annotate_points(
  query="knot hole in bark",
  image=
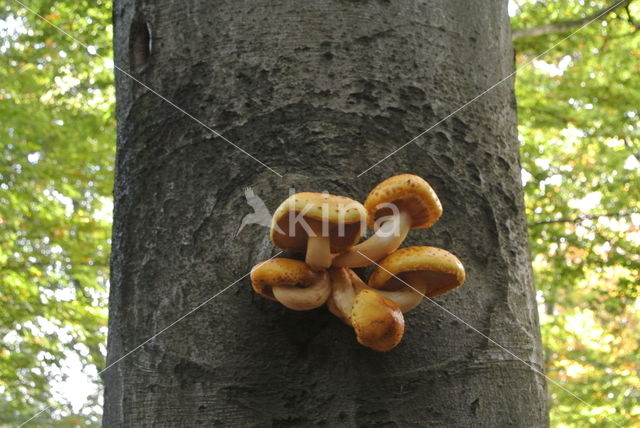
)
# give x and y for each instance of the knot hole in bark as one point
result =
(140, 43)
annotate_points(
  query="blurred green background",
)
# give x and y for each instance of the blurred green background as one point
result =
(579, 129)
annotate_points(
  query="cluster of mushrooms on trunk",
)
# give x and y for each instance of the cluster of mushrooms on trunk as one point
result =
(327, 228)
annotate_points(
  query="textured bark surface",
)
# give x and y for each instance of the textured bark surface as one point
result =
(319, 91)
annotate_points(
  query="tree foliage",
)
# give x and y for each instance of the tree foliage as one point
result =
(57, 143)
(579, 128)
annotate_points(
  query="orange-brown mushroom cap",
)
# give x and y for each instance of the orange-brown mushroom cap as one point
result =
(279, 272)
(318, 207)
(395, 206)
(440, 270)
(378, 321)
(409, 193)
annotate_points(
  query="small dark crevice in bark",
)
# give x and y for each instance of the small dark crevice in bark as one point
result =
(475, 404)
(140, 44)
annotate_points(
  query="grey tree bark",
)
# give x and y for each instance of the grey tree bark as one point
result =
(319, 91)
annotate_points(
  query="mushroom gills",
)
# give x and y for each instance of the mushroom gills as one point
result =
(384, 241)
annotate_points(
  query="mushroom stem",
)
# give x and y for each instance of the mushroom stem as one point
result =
(386, 240)
(304, 299)
(407, 297)
(377, 321)
(357, 283)
(318, 252)
(342, 294)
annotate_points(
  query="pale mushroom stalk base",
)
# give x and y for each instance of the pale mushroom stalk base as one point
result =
(386, 240)
(318, 252)
(304, 299)
(346, 284)
(342, 295)
(407, 297)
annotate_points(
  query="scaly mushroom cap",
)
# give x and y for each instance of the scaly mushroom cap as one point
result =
(409, 193)
(438, 268)
(316, 208)
(378, 321)
(279, 272)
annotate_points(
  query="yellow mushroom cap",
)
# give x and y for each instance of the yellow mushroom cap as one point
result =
(378, 321)
(411, 194)
(441, 270)
(318, 207)
(279, 272)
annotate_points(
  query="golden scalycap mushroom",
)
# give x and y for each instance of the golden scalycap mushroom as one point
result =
(415, 206)
(412, 194)
(434, 269)
(334, 224)
(291, 282)
(378, 321)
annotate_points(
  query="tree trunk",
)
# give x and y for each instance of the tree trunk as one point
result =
(319, 91)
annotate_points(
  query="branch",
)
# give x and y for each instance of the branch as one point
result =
(635, 152)
(631, 18)
(559, 27)
(584, 217)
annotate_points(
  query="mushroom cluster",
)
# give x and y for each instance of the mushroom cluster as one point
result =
(327, 228)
